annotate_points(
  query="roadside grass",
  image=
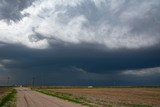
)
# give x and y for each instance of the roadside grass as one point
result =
(68, 97)
(9, 99)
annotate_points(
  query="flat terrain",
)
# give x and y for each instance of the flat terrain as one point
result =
(3, 91)
(29, 98)
(115, 97)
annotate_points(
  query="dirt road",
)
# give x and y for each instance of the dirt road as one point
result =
(29, 98)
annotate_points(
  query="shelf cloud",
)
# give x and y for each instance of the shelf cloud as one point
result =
(94, 39)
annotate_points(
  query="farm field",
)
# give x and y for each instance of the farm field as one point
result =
(109, 97)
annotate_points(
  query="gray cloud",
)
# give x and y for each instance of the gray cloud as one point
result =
(143, 72)
(115, 24)
(10, 10)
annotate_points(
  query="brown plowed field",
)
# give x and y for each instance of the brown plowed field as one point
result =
(118, 97)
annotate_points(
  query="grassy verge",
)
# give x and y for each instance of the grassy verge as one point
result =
(9, 99)
(66, 96)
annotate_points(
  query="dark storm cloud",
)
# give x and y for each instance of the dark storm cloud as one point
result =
(90, 57)
(10, 10)
(83, 62)
(79, 44)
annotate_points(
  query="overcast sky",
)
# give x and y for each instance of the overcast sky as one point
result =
(80, 42)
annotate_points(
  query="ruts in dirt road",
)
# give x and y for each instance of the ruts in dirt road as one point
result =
(29, 98)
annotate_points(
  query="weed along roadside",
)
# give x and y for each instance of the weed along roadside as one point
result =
(9, 100)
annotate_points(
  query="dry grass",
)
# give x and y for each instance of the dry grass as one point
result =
(117, 97)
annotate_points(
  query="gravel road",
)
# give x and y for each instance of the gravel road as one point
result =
(29, 98)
